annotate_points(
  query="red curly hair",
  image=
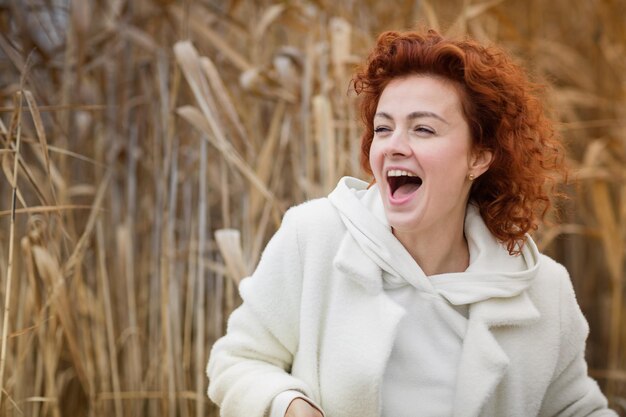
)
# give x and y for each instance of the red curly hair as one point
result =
(504, 114)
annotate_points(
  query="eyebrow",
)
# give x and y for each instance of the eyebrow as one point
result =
(414, 115)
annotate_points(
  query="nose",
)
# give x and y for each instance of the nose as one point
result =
(397, 146)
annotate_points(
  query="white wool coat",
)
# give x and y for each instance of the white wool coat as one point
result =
(315, 319)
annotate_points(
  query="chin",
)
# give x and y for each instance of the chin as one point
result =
(404, 223)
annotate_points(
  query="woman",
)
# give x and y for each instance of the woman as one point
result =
(421, 294)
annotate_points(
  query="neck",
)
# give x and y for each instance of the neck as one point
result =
(437, 253)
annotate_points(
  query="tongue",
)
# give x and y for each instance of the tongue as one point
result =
(406, 189)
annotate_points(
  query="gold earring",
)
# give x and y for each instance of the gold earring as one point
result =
(471, 177)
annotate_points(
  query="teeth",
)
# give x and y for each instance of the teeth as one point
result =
(399, 173)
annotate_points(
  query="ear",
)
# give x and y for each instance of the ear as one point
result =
(479, 162)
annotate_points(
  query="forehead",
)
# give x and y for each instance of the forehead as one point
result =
(420, 93)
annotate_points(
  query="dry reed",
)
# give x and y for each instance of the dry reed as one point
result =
(151, 147)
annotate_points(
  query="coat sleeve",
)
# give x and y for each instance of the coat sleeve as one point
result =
(251, 364)
(571, 391)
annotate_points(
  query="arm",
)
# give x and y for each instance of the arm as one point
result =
(251, 364)
(572, 392)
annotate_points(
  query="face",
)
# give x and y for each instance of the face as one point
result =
(421, 155)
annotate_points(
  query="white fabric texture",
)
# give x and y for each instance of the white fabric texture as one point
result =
(316, 319)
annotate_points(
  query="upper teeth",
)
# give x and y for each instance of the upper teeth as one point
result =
(399, 173)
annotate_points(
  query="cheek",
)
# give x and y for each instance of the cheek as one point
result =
(452, 155)
(375, 159)
(448, 164)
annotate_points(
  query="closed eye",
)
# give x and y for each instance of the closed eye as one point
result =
(382, 129)
(425, 130)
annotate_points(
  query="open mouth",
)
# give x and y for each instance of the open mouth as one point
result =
(402, 183)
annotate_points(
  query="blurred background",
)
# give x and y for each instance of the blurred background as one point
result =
(150, 147)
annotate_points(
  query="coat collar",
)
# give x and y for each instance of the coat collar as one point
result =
(483, 362)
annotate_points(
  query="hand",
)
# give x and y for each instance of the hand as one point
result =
(301, 408)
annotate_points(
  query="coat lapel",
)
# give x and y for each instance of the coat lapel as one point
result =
(354, 263)
(483, 361)
(362, 334)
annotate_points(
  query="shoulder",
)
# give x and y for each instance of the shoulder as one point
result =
(553, 286)
(556, 275)
(313, 228)
(304, 232)
(313, 217)
(553, 266)
(552, 277)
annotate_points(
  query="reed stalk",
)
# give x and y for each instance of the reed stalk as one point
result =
(9, 276)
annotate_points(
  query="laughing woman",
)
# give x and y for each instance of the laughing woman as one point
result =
(420, 294)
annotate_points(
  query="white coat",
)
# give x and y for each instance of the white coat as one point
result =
(315, 319)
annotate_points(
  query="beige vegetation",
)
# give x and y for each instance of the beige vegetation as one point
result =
(159, 142)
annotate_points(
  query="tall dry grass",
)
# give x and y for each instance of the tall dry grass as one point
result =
(150, 147)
